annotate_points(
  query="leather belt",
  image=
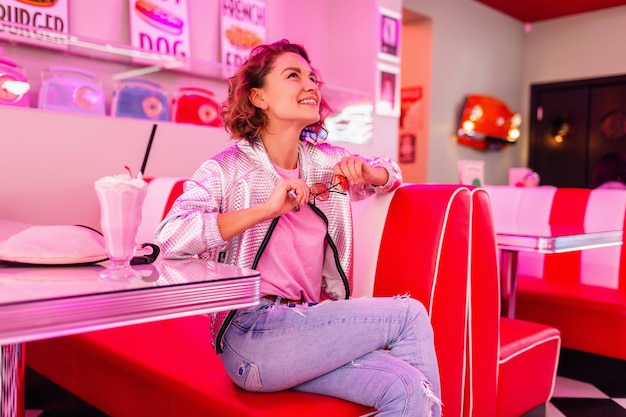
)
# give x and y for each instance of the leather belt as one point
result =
(283, 300)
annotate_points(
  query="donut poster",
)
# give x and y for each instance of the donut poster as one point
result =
(39, 22)
(243, 26)
(160, 27)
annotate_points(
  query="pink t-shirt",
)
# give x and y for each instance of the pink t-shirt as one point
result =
(291, 265)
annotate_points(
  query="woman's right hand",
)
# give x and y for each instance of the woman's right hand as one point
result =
(287, 195)
(279, 202)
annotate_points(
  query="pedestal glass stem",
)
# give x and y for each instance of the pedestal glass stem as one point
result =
(12, 380)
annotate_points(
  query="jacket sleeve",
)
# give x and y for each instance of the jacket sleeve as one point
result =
(359, 192)
(190, 228)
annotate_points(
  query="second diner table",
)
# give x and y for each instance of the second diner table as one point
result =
(546, 239)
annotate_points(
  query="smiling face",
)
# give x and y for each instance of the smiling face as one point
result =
(290, 93)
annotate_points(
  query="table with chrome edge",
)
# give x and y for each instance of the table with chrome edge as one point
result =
(512, 239)
(44, 302)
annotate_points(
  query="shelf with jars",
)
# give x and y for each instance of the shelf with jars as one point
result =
(65, 72)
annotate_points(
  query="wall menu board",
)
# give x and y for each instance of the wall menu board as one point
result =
(160, 27)
(243, 26)
(38, 22)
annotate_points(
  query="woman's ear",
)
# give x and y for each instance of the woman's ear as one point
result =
(257, 100)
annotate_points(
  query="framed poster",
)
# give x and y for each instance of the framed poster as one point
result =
(42, 23)
(243, 26)
(160, 30)
(389, 35)
(407, 144)
(388, 90)
(412, 107)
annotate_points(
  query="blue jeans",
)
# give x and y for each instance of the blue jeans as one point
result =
(378, 352)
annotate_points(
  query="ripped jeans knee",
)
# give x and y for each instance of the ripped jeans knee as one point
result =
(410, 394)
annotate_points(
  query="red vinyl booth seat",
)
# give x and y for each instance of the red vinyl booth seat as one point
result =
(168, 368)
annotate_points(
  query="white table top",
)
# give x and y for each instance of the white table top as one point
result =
(42, 302)
(554, 239)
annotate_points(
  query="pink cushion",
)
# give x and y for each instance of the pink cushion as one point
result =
(54, 245)
(607, 209)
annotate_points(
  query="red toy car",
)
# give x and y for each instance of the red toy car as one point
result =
(488, 124)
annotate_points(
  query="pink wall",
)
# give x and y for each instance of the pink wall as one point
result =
(49, 160)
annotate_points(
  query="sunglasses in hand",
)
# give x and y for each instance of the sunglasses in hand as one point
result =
(321, 192)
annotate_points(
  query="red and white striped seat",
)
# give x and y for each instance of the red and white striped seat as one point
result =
(581, 293)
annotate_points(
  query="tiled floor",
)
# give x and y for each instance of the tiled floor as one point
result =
(574, 398)
(605, 397)
(46, 399)
(589, 386)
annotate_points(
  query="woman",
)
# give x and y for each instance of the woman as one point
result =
(279, 202)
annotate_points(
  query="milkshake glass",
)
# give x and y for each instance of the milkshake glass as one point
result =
(121, 199)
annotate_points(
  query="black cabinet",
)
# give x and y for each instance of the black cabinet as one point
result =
(572, 125)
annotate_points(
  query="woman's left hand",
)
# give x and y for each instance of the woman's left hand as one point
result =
(358, 171)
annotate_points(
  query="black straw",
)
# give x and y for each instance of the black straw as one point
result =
(145, 157)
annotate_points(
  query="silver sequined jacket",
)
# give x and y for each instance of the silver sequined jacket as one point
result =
(242, 176)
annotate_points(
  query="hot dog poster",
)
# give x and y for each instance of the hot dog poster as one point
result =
(39, 22)
(243, 26)
(160, 27)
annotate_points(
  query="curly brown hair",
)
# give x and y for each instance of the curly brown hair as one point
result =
(240, 117)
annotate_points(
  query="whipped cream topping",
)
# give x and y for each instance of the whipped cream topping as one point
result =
(121, 181)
